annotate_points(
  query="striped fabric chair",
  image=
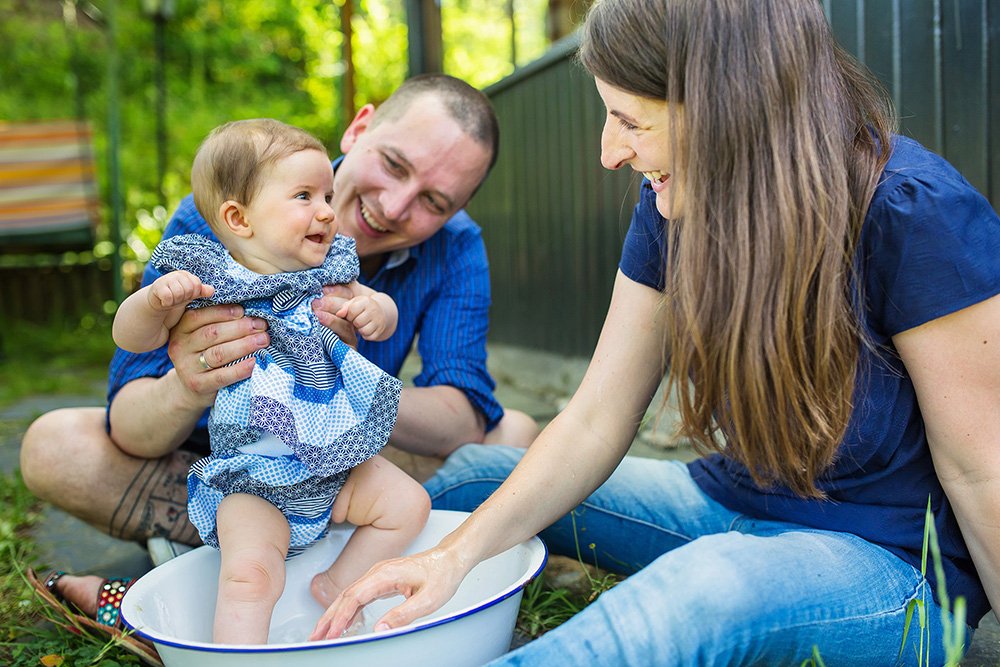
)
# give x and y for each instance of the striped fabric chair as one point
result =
(48, 191)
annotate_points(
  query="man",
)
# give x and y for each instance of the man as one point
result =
(408, 169)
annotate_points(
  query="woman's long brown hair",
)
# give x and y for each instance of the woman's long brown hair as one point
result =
(783, 137)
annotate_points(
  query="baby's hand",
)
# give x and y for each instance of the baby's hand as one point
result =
(177, 289)
(367, 317)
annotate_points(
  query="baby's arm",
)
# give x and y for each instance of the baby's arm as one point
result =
(373, 314)
(387, 522)
(144, 319)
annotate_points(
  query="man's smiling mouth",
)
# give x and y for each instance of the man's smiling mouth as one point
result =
(371, 223)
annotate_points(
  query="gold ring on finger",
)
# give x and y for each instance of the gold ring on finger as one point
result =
(204, 362)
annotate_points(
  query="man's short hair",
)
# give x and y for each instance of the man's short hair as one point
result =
(466, 105)
(234, 160)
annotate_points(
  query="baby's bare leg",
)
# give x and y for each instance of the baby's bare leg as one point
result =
(253, 538)
(389, 508)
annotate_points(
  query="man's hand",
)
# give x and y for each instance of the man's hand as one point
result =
(326, 307)
(205, 340)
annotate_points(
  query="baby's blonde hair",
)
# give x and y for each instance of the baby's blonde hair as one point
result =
(233, 161)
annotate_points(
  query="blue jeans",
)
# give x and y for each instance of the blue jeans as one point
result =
(708, 586)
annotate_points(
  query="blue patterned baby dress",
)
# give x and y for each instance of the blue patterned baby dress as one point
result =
(312, 409)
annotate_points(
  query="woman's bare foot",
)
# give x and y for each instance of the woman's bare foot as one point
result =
(81, 591)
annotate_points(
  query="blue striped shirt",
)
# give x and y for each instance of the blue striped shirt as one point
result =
(442, 290)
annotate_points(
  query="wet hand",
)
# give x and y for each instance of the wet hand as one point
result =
(427, 580)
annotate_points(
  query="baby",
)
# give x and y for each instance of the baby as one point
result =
(296, 444)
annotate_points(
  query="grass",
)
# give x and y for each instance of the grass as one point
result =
(544, 607)
(69, 357)
(32, 634)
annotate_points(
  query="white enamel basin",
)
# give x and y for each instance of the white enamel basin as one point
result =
(174, 604)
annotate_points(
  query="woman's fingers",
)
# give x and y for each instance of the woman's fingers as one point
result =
(416, 606)
(417, 578)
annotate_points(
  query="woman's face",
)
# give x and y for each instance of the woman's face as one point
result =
(637, 133)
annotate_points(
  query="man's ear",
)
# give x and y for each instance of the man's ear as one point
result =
(362, 120)
(234, 219)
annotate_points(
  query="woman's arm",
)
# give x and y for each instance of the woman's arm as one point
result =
(954, 362)
(574, 455)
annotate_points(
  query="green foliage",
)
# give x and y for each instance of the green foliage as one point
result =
(50, 645)
(815, 661)
(477, 38)
(953, 638)
(66, 357)
(25, 642)
(544, 608)
(224, 60)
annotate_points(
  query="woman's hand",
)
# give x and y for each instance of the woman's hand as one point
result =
(326, 307)
(205, 340)
(427, 580)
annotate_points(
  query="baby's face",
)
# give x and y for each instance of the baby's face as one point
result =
(291, 219)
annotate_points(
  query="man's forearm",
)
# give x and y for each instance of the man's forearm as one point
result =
(434, 421)
(151, 417)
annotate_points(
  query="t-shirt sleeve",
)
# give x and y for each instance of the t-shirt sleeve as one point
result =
(128, 366)
(644, 247)
(933, 248)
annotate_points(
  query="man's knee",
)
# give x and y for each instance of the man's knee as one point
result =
(516, 429)
(58, 450)
(46, 444)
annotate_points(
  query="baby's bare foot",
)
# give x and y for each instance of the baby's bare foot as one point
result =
(324, 589)
(81, 591)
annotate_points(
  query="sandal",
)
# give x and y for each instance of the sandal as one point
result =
(108, 621)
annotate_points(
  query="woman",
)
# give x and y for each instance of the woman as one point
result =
(821, 294)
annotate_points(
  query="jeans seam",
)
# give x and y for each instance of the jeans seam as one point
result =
(885, 612)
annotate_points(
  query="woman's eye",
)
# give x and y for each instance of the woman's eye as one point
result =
(627, 125)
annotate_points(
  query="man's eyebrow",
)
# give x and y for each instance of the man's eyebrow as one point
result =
(399, 157)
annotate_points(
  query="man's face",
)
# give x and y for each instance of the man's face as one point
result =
(401, 181)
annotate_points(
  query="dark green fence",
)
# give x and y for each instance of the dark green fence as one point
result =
(554, 219)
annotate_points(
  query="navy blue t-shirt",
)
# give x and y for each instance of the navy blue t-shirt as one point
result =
(930, 246)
